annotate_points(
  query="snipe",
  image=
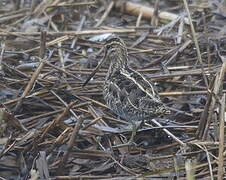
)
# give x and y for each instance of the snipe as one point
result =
(126, 92)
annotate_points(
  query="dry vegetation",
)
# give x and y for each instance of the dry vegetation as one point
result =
(52, 127)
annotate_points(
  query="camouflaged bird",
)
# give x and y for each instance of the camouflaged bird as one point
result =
(126, 92)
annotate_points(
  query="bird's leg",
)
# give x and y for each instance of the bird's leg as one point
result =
(134, 132)
(135, 126)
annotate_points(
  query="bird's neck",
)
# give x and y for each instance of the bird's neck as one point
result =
(118, 60)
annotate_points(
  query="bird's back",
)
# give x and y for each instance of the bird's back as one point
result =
(131, 96)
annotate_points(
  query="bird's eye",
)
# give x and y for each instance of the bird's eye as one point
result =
(108, 46)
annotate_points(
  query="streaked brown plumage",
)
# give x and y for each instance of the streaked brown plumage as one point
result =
(126, 92)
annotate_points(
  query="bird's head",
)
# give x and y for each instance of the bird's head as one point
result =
(114, 43)
(114, 51)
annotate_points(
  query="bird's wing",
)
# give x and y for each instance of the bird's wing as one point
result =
(142, 84)
(133, 88)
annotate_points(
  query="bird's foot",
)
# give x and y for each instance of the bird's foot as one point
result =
(129, 143)
(131, 140)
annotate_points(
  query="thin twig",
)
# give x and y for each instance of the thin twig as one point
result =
(108, 10)
(196, 43)
(71, 144)
(220, 173)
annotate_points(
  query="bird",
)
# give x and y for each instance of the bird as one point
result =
(127, 92)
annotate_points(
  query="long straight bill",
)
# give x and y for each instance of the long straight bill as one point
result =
(96, 69)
